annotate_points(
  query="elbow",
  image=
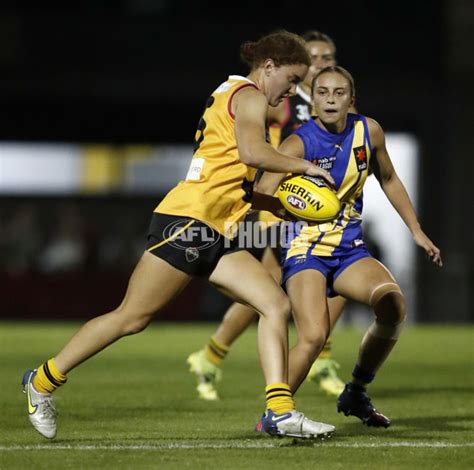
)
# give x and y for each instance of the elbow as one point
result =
(249, 159)
(245, 157)
(387, 179)
(251, 154)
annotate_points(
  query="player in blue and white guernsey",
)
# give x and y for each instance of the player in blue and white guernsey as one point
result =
(331, 258)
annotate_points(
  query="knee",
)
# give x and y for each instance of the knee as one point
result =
(280, 308)
(388, 303)
(132, 324)
(312, 340)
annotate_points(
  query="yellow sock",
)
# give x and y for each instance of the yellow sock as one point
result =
(215, 351)
(48, 378)
(326, 352)
(279, 398)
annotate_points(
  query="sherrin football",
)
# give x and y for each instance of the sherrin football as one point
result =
(309, 198)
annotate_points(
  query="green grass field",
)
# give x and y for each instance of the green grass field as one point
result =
(134, 405)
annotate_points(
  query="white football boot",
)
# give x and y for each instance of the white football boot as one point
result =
(293, 424)
(41, 411)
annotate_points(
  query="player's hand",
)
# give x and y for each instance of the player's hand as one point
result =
(279, 211)
(314, 170)
(283, 214)
(431, 249)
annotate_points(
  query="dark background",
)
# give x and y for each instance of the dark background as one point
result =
(140, 71)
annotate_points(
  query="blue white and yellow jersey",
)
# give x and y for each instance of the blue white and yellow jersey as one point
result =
(346, 157)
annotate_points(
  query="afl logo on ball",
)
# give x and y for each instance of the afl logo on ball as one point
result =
(296, 202)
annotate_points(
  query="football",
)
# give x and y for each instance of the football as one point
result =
(309, 198)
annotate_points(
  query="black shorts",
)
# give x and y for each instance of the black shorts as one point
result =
(271, 235)
(187, 244)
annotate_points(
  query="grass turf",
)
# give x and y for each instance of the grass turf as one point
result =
(134, 405)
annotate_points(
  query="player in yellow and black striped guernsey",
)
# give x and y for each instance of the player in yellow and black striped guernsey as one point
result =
(188, 236)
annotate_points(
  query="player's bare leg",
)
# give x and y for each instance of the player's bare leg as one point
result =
(205, 364)
(238, 317)
(336, 306)
(324, 370)
(260, 291)
(307, 291)
(382, 293)
(142, 301)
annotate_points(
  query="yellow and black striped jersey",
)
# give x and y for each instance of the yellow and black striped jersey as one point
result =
(218, 185)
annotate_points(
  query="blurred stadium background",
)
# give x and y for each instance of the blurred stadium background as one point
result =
(99, 105)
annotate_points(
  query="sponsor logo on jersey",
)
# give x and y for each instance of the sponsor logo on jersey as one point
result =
(360, 156)
(195, 169)
(326, 163)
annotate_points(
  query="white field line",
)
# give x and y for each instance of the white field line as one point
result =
(235, 445)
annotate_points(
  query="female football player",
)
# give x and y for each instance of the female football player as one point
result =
(229, 147)
(283, 119)
(331, 257)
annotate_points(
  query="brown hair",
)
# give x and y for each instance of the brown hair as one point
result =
(283, 47)
(335, 69)
(315, 35)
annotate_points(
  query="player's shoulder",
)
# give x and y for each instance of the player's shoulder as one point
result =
(375, 131)
(237, 90)
(309, 126)
(249, 98)
(372, 124)
(250, 91)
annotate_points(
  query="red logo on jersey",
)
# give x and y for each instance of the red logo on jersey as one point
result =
(360, 157)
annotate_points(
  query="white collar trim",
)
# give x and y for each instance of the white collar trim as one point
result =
(239, 77)
(303, 94)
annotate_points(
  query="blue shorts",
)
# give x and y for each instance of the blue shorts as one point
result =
(329, 266)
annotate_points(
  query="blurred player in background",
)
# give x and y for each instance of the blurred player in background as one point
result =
(331, 257)
(283, 120)
(229, 147)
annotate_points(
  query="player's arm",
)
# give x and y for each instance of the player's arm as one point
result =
(250, 109)
(293, 147)
(395, 191)
(263, 198)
